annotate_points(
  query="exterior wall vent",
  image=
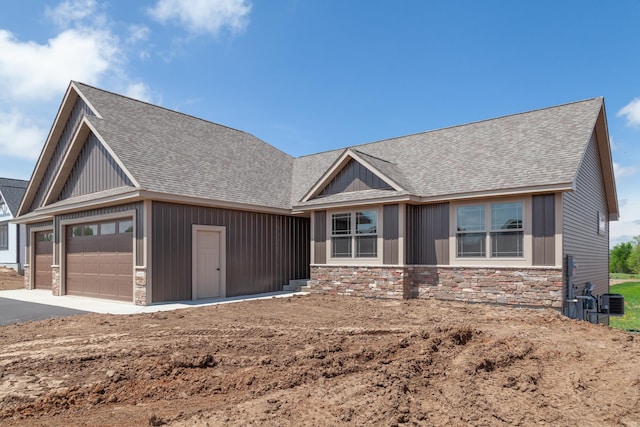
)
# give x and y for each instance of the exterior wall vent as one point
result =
(612, 304)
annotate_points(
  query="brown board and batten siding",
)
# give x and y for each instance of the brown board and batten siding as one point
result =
(581, 236)
(79, 110)
(95, 170)
(544, 229)
(86, 216)
(263, 251)
(353, 177)
(320, 237)
(427, 234)
(390, 218)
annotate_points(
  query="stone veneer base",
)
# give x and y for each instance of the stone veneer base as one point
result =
(529, 286)
(140, 288)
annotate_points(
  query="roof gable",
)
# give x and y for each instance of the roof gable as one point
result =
(66, 125)
(353, 171)
(353, 177)
(11, 193)
(94, 170)
(173, 153)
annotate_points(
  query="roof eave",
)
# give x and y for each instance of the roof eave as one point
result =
(606, 162)
(48, 212)
(203, 201)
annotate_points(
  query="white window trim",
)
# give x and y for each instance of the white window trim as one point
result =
(355, 261)
(7, 235)
(487, 260)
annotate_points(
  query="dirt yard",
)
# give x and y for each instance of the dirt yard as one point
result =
(312, 360)
(9, 279)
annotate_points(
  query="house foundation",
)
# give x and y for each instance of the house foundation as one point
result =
(528, 286)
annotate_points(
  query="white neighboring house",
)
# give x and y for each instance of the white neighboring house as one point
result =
(12, 236)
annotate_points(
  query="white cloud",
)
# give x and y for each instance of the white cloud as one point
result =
(69, 12)
(32, 71)
(139, 91)
(19, 137)
(620, 171)
(204, 16)
(631, 112)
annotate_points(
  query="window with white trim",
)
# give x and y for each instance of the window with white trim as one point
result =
(354, 234)
(4, 236)
(492, 230)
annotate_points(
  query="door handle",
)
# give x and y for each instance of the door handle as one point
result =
(218, 268)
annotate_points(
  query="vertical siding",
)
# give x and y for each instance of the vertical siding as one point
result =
(580, 231)
(95, 170)
(390, 234)
(544, 243)
(354, 177)
(263, 251)
(427, 234)
(138, 207)
(78, 111)
(320, 237)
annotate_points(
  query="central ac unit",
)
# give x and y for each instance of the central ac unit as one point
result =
(612, 304)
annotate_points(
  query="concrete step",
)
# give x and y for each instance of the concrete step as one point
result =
(297, 285)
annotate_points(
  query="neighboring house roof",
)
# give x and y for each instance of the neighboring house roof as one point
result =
(12, 191)
(170, 153)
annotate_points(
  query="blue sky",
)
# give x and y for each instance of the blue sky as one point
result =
(309, 76)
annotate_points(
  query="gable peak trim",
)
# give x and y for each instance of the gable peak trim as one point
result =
(347, 155)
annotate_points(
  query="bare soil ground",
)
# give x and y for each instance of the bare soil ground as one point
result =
(9, 279)
(320, 360)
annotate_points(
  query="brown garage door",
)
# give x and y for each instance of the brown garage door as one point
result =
(43, 259)
(100, 260)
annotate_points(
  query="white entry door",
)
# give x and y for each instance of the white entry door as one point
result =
(208, 268)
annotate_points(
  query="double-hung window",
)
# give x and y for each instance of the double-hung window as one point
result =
(494, 230)
(354, 234)
(4, 236)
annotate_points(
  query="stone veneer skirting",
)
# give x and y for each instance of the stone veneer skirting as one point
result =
(530, 286)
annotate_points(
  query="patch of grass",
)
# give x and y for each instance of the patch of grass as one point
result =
(631, 318)
(624, 276)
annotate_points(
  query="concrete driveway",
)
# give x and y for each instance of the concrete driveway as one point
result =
(22, 305)
(13, 311)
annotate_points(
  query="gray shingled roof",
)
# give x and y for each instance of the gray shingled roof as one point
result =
(538, 148)
(12, 191)
(174, 153)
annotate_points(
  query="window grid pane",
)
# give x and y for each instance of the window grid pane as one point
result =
(341, 224)
(507, 244)
(471, 244)
(341, 247)
(366, 246)
(366, 222)
(470, 218)
(506, 216)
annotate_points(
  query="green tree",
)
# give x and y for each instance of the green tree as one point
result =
(633, 261)
(619, 257)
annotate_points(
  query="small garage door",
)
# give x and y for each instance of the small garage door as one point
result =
(100, 260)
(43, 259)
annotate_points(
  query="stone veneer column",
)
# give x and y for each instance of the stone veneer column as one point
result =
(56, 288)
(140, 288)
(27, 276)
